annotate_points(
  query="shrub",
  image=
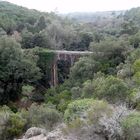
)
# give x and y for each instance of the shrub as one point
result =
(42, 116)
(83, 70)
(74, 128)
(97, 110)
(27, 90)
(110, 125)
(112, 89)
(102, 121)
(15, 126)
(11, 124)
(62, 106)
(4, 117)
(90, 119)
(77, 109)
(83, 108)
(88, 89)
(76, 92)
(134, 98)
(131, 126)
(61, 99)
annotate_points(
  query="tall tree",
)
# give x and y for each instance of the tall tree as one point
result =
(16, 68)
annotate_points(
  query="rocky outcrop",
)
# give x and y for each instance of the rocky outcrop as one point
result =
(40, 134)
(34, 131)
(57, 134)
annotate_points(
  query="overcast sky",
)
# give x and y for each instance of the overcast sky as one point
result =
(66, 6)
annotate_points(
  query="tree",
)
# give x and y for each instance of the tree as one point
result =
(135, 40)
(136, 67)
(16, 68)
(41, 23)
(2, 32)
(128, 27)
(112, 89)
(40, 40)
(7, 24)
(110, 53)
(27, 39)
(85, 39)
(83, 70)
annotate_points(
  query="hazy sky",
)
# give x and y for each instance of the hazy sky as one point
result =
(65, 6)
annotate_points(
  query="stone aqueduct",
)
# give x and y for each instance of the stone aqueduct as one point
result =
(70, 56)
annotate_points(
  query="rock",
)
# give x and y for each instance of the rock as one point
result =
(57, 134)
(34, 131)
(39, 137)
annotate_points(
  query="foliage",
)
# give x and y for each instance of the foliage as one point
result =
(15, 126)
(12, 16)
(45, 63)
(110, 53)
(42, 116)
(16, 68)
(27, 89)
(61, 100)
(76, 92)
(131, 126)
(112, 89)
(83, 108)
(102, 120)
(110, 125)
(30, 40)
(136, 67)
(88, 89)
(96, 111)
(11, 124)
(111, 72)
(134, 98)
(83, 70)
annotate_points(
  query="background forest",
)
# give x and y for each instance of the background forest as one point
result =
(100, 97)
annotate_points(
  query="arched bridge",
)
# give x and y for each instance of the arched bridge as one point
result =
(66, 56)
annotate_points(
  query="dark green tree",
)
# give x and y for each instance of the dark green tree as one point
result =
(41, 23)
(16, 68)
(84, 69)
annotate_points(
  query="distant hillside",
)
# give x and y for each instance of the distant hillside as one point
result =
(17, 13)
(93, 17)
(13, 16)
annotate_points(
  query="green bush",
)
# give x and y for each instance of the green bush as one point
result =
(77, 108)
(4, 117)
(61, 99)
(76, 92)
(84, 108)
(88, 89)
(134, 98)
(112, 89)
(83, 70)
(98, 110)
(83, 118)
(11, 124)
(131, 127)
(50, 96)
(62, 106)
(15, 125)
(42, 116)
(27, 89)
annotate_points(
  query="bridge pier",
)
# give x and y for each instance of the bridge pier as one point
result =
(70, 56)
(54, 77)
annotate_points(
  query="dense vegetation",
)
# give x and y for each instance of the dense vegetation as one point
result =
(100, 97)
